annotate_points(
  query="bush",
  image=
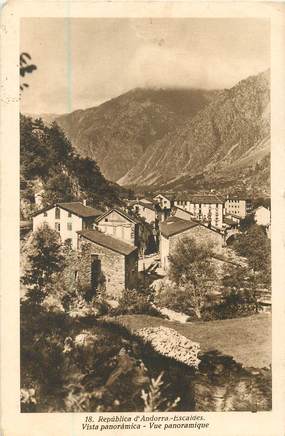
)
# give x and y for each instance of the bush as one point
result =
(235, 304)
(175, 298)
(135, 301)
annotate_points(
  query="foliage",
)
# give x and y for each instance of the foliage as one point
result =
(72, 364)
(239, 296)
(191, 269)
(48, 157)
(136, 301)
(44, 262)
(255, 246)
(175, 298)
(154, 401)
(247, 222)
(58, 188)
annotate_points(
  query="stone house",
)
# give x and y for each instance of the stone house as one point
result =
(173, 229)
(237, 205)
(119, 225)
(67, 219)
(106, 264)
(205, 208)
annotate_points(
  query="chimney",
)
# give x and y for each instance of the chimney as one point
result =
(85, 202)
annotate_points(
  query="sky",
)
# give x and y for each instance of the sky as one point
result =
(82, 62)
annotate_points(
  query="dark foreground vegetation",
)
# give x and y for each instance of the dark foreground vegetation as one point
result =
(72, 365)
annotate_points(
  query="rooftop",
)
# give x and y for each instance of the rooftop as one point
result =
(147, 205)
(107, 241)
(200, 199)
(173, 226)
(79, 209)
(75, 207)
(122, 213)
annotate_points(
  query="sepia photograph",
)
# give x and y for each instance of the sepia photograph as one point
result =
(145, 215)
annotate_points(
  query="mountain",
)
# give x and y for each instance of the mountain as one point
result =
(180, 139)
(118, 133)
(226, 144)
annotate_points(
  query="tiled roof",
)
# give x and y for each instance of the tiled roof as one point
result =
(107, 241)
(199, 199)
(79, 209)
(205, 199)
(183, 210)
(173, 226)
(147, 205)
(122, 213)
(76, 208)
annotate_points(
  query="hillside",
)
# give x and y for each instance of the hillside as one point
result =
(180, 139)
(52, 170)
(118, 133)
(226, 143)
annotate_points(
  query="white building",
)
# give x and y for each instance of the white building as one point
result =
(164, 201)
(205, 208)
(67, 219)
(237, 205)
(145, 210)
(262, 216)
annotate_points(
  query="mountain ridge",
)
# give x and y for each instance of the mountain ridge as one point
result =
(176, 137)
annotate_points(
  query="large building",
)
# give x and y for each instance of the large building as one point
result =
(108, 264)
(67, 219)
(173, 229)
(205, 208)
(237, 205)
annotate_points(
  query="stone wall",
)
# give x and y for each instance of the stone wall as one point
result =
(131, 270)
(78, 271)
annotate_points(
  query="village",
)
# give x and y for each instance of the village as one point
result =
(128, 244)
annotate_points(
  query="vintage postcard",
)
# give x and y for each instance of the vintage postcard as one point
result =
(142, 218)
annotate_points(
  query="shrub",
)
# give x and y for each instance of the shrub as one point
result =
(234, 304)
(175, 298)
(135, 301)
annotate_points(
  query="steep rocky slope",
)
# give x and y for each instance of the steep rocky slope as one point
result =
(226, 141)
(119, 132)
(180, 139)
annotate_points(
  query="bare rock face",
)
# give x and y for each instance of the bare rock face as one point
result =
(171, 344)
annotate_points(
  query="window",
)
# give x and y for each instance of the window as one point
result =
(106, 220)
(45, 213)
(57, 213)
(69, 226)
(69, 214)
(57, 227)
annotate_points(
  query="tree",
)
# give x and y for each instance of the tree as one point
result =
(58, 189)
(247, 222)
(44, 261)
(255, 246)
(192, 269)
